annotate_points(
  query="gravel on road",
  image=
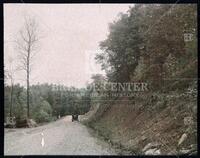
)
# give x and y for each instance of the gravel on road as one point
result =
(61, 137)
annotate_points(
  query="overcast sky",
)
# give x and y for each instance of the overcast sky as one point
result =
(72, 34)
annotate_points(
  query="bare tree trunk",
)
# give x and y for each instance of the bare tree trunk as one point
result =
(28, 74)
(27, 91)
(27, 46)
(11, 100)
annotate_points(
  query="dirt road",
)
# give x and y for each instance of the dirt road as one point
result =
(61, 137)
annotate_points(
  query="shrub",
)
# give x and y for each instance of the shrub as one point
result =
(42, 116)
(43, 112)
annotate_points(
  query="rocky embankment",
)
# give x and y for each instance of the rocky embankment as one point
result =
(151, 125)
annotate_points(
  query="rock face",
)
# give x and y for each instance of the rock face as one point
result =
(152, 149)
(151, 145)
(182, 139)
(191, 150)
(188, 120)
(91, 113)
(188, 151)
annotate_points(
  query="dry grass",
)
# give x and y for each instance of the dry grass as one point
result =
(134, 125)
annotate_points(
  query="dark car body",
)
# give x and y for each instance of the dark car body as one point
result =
(74, 117)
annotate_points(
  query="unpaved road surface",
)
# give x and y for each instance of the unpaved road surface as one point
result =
(61, 137)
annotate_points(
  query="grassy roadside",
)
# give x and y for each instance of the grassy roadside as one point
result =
(129, 128)
(103, 135)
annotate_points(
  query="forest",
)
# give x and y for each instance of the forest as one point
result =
(48, 102)
(142, 46)
(152, 50)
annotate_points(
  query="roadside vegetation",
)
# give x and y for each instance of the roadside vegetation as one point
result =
(155, 44)
(47, 102)
(150, 44)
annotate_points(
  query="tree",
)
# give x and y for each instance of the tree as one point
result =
(27, 43)
(43, 111)
(147, 36)
(164, 41)
(121, 48)
(19, 102)
(10, 76)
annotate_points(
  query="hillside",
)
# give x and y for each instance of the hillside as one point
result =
(161, 122)
(152, 45)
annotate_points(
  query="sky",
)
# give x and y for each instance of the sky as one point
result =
(71, 35)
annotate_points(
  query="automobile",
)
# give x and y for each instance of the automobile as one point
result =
(74, 117)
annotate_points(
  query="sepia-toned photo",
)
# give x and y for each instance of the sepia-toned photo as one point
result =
(100, 79)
